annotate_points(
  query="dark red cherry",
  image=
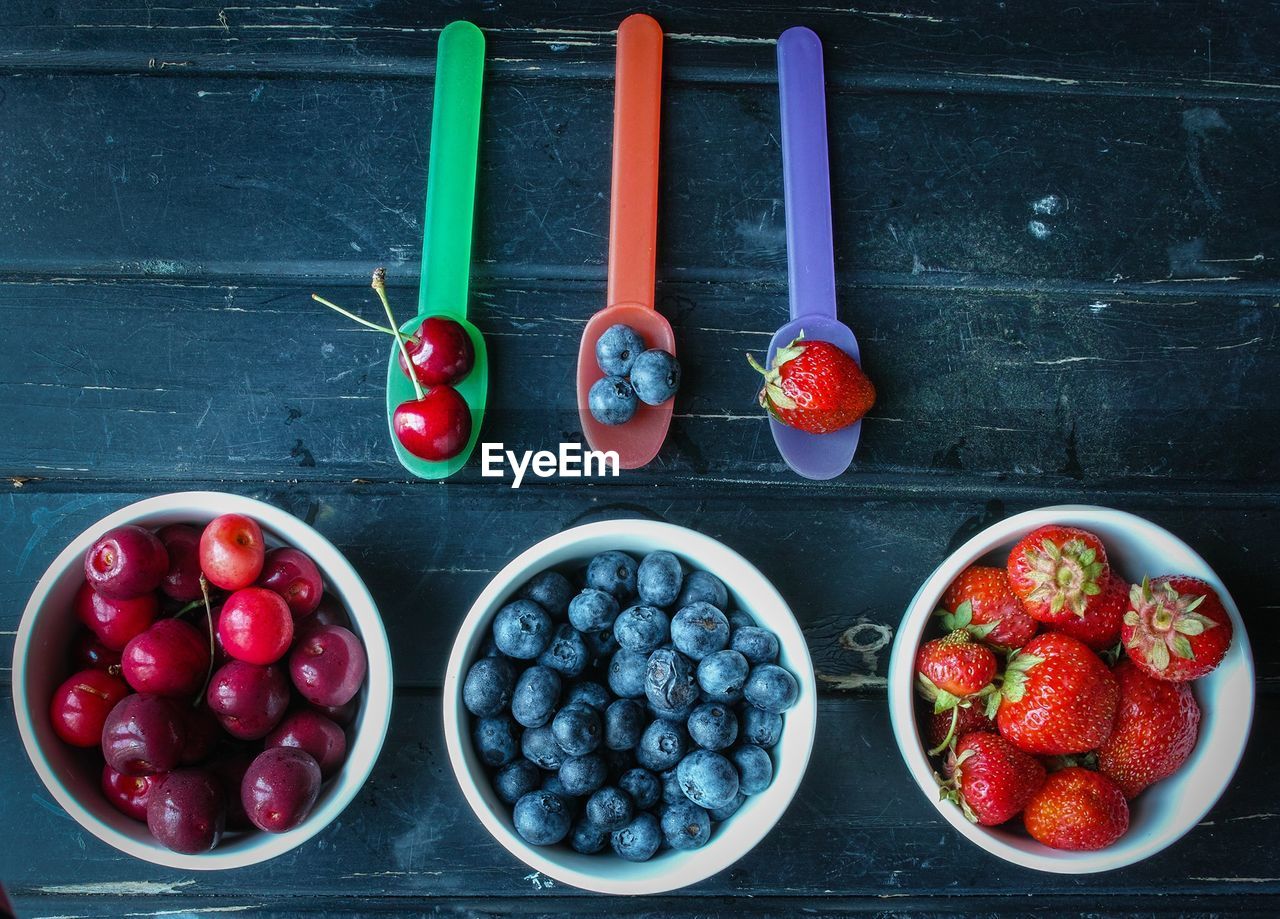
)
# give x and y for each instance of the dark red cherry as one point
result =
(182, 580)
(144, 734)
(311, 731)
(188, 811)
(441, 352)
(89, 653)
(280, 788)
(169, 659)
(435, 427)
(248, 700)
(126, 562)
(294, 576)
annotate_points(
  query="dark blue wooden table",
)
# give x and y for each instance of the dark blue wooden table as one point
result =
(1058, 241)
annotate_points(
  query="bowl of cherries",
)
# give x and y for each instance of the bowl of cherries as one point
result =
(202, 680)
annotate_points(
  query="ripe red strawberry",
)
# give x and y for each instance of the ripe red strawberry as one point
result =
(956, 664)
(1056, 571)
(966, 720)
(981, 601)
(814, 386)
(1057, 698)
(1176, 628)
(1077, 809)
(1157, 723)
(1099, 627)
(991, 779)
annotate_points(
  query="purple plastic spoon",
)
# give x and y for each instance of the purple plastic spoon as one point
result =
(810, 251)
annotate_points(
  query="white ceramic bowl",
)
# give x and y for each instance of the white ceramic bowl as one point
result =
(1166, 811)
(668, 870)
(39, 666)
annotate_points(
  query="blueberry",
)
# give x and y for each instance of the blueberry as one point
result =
(703, 587)
(700, 629)
(719, 814)
(611, 401)
(639, 839)
(760, 727)
(577, 729)
(553, 784)
(668, 682)
(662, 745)
(593, 610)
(542, 818)
(488, 686)
(671, 791)
(659, 578)
(522, 629)
(581, 775)
(771, 688)
(655, 376)
(713, 726)
(536, 695)
(739, 619)
(678, 715)
(755, 768)
(624, 722)
(539, 747)
(516, 779)
(685, 825)
(707, 779)
(721, 676)
(497, 740)
(566, 654)
(642, 785)
(759, 646)
(618, 348)
(600, 646)
(551, 590)
(587, 838)
(641, 628)
(609, 808)
(589, 693)
(614, 573)
(627, 673)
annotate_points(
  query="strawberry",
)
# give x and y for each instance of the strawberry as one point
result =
(956, 664)
(814, 386)
(1058, 697)
(1099, 627)
(1077, 809)
(1176, 628)
(980, 600)
(1156, 726)
(959, 721)
(991, 779)
(1056, 571)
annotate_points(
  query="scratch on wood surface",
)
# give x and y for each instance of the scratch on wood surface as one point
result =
(1060, 81)
(200, 911)
(117, 888)
(853, 680)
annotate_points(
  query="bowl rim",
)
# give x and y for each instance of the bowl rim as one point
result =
(687, 867)
(902, 694)
(373, 720)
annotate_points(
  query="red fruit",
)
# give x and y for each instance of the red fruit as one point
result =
(816, 387)
(967, 719)
(1157, 723)
(128, 793)
(435, 427)
(232, 551)
(312, 732)
(1176, 628)
(1077, 809)
(981, 601)
(991, 779)
(1056, 571)
(182, 580)
(87, 652)
(114, 621)
(126, 562)
(255, 626)
(955, 664)
(441, 352)
(294, 576)
(169, 659)
(1099, 627)
(80, 706)
(1058, 697)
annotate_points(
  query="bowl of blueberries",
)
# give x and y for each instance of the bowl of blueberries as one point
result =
(629, 707)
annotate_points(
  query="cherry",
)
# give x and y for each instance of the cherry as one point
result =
(329, 612)
(248, 700)
(169, 659)
(294, 576)
(232, 551)
(311, 731)
(203, 734)
(255, 626)
(128, 793)
(114, 621)
(435, 427)
(328, 665)
(188, 812)
(182, 580)
(144, 734)
(441, 352)
(280, 788)
(126, 562)
(87, 652)
(342, 714)
(80, 706)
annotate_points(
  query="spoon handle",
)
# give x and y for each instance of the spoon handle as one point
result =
(633, 221)
(451, 171)
(806, 174)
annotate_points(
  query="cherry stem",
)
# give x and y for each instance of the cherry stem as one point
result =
(208, 609)
(350, 315)
(380, 288)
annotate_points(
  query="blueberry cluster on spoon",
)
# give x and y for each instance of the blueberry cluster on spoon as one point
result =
(633, 374)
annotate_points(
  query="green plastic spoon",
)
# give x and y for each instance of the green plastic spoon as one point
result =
(446, 238)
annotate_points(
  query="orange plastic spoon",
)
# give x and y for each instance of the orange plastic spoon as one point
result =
(633, 241)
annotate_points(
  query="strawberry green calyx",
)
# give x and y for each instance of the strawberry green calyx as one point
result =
(1064, 576)
(949, 789)
(772, 395)
(1163, 620)
(1019, 665)
(962, 618)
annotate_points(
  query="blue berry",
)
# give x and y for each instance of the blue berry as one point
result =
(659, 578)
(618, 348)
(553, 784)
(639, 839)
(759, 646)
(755, 768)
(721, 676)
(551, 590)
(497, 740)
(738, 619)
(589, 693)
(669, 684)
(686, 825)
(488, 686)
(760, 727)
(593, 610)
(713, 726)
(614, 573)
(771, 688)
(566, 654)
(627, 673)
(700, 629)
(542, 818)
(642, 785)
(624, 722)
(522, 629)
(703, 587)
(671, 791)
(707, 779)
(609, 808)
(612, 401)
(539, 747)
(577, 729)
(655, 376)
(719, 814)
(600, 647)
(662, 745)
(587, 838)
(536, 695)
(581, 775)
(640, 628)
(516, 779)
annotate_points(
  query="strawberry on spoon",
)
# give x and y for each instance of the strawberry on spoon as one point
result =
(815, 387)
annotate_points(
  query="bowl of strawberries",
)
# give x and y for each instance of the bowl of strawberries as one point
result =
(1073, 687)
